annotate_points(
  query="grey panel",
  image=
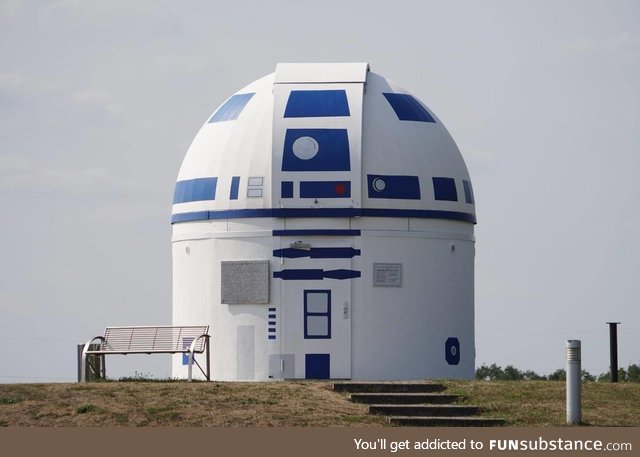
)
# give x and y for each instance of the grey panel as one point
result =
(317, 326)
(317, 302)
(387, 275)
(245, 352)
(245, 282)
(282, 366)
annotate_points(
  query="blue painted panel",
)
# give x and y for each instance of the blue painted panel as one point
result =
(272, 330)
(231, 109)
(315, 274)
(271, 316)
(326, 333)
(323, 212)
(235, 185)
(341, 274)
(271, 323)
(193, 190)
(317, 103)
(452, 351)
(394, 187)
(325, 189)
(272, 337)
(299, 274)
(468, 191)
(445, 189)
(317, 366)
(316, 232)
(408, 108)
(286, 189)
(186, 342)
(317, 253)
(332, 154)
(271, 309)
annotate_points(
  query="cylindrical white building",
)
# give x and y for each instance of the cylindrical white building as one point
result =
(323, 226)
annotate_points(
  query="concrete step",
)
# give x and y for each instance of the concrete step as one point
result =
(403, 398)
(427, 421)
(424, 410)
(388, 387)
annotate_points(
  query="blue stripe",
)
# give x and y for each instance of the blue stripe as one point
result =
(235, 185)
(315, 274)
(272, 330)
(318, 232)
(231, 108)
(299, 274)
(272, 337)
(271, 316)
(272, 309)
(188, 217)
(317, 103)
(395, 187)
(332, 153)
(445, 189)
(325, 189)
(272, 323)
(317, 253)
(324, 212)
(408, 108)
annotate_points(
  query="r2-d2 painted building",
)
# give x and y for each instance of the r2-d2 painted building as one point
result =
(323, 227)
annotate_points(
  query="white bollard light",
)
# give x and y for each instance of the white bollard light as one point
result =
(574, 386)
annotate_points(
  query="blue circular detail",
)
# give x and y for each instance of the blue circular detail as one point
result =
(452, 351)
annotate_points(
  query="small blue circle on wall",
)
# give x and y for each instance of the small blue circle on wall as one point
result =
(452, 351)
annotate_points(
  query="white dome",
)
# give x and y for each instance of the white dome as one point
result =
(306, 141)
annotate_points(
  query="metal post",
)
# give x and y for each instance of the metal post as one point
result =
(613, 349)
(574, 393)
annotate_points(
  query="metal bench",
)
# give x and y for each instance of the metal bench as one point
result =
(163, 339)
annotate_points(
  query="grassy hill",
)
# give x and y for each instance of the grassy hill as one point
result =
(292, 403)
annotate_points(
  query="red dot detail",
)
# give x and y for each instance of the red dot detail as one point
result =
(340, 189)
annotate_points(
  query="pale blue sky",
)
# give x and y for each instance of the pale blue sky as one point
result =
(99, 102)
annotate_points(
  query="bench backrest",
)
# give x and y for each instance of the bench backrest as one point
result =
(146, 339)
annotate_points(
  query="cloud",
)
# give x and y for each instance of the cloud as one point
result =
(10, 8)
(623, 46)
(94, 10)
(101, 99)
(18, 82)
(473, 152)
(186, 64)
(20, 174)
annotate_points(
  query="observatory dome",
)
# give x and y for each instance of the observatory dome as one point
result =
(323, 227)
(276, 147)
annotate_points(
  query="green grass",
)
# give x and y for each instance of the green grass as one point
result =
(292, 403)
(543, 403)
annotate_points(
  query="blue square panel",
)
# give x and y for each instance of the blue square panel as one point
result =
(316, 150)
(317, 103)
(286, 189)
(445, 189)
(231, 108)
(316, 366)
(192, 190)
(408, 108)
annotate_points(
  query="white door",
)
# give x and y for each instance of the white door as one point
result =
(315, 279)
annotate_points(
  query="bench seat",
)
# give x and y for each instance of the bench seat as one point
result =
(151, 339)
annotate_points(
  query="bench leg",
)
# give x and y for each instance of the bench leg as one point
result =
(189, 377)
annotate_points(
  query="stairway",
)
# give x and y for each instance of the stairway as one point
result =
(415, 404)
